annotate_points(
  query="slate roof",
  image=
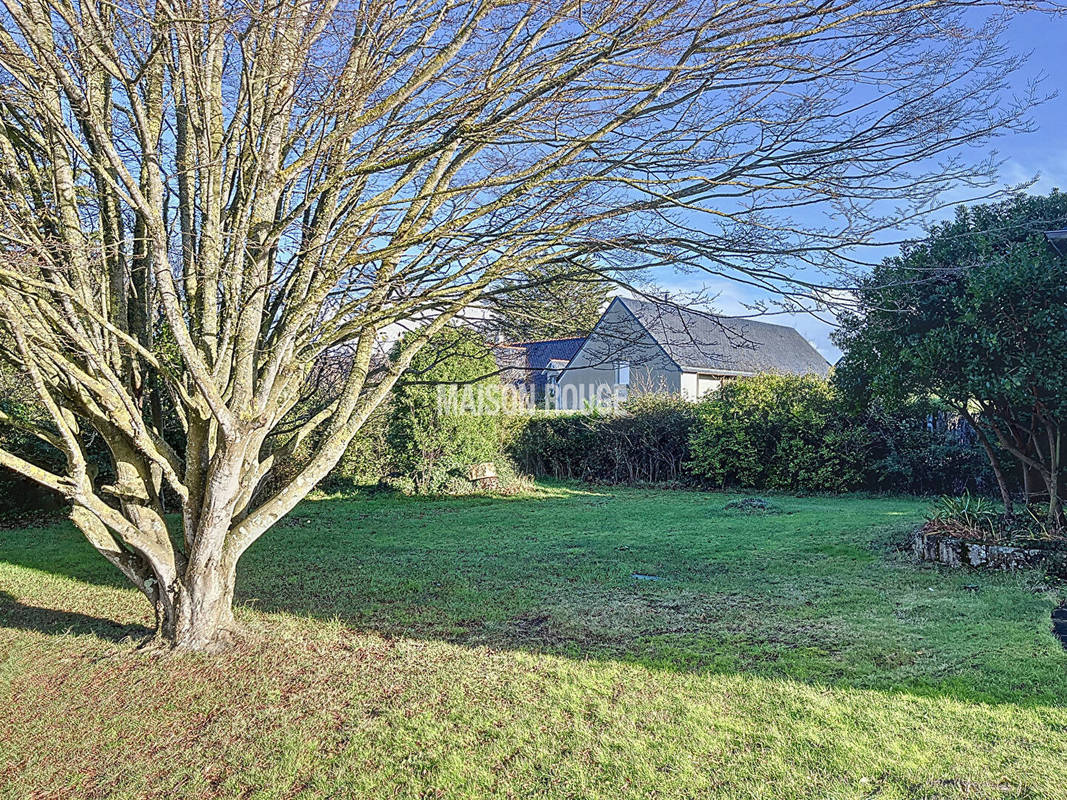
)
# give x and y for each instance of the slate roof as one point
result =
(534, 358)
(539, 354)
(697, 340)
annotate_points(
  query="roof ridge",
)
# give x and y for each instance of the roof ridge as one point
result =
(696, 324)
(545, 341)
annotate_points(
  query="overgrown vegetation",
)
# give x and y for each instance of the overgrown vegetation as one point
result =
(976, 314)
(501, 647)
(786, 433)
(980, 519)
(765, 433)
(648, 442)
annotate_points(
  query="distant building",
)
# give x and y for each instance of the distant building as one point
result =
(535, 366)
(642, 346)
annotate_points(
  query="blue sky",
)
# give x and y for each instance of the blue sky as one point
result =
(1041, 154)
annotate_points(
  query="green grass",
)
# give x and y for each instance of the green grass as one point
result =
(503, 647)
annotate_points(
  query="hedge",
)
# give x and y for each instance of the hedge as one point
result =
(769, 432)
(647, 443)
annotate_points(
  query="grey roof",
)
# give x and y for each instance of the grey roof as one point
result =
(697, 340)
(534, 359)
(540, 353)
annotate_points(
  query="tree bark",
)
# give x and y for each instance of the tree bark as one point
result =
(1055, 506)
(994, 462)
(203, 609)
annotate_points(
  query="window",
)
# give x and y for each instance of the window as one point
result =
(622, 373)
(707, 383)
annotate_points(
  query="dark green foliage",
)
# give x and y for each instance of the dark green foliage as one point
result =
(368, 457)
(647, 443)
(793, 433)
(976, 315)
(784, 433)
(781, 432)
(921, 448)
(19, 495)
(427, 443)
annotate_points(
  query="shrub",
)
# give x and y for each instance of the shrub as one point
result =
(368, 457)
(20, 495)
(981, 519)
(967, 517)
(777, 432)
(19, 407)
(920, 448)
(648, 442)
(426, 442)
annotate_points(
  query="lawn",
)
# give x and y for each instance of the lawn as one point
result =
(573, 642)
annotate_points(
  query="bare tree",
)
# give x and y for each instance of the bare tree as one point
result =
(200, 199)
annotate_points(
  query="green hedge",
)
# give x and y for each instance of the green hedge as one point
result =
(796, 433)
(777, 432)
(647, 443)
(769, 432)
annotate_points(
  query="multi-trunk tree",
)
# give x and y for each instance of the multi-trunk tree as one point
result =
(200, 200)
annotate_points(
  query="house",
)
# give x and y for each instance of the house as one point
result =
(639, 345)
(534, 366)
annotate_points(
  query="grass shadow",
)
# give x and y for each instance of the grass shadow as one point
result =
(21, 616)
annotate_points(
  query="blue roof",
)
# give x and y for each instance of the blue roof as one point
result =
(540, 354)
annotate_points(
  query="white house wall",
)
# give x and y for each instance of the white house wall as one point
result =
(689, 385)
(617, 337)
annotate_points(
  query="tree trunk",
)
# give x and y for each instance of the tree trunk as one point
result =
(1028, 483)
(994, 462)
(1055, 506)
(203, 610)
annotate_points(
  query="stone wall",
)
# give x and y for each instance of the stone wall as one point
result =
(953, 551)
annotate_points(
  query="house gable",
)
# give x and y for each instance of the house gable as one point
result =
(699, 341)
(618, 339)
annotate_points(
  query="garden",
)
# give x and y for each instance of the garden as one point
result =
(565, 641)
(246, 551)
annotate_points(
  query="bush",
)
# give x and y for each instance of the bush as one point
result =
(648, 442)
(776, 432)
(982, 519)
(20, 495)
(781, 432)
(429, 445)
(368, 457)
(920, 448)
(414, 445)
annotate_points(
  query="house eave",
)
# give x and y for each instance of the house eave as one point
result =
(733, 373)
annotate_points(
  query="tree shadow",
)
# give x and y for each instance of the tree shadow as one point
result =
(55, 547)
(21, 616)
